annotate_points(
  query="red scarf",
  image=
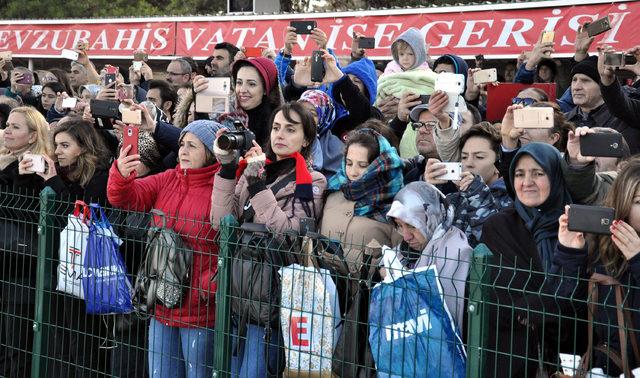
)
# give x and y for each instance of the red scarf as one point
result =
(303, 177)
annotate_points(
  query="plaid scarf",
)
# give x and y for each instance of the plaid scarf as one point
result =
(373, 192)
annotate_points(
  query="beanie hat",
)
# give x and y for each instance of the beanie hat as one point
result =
(204, 130)
(414, 38)
(266, 68)
(587, 67)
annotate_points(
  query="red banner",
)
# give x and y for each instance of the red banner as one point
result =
(494, 30)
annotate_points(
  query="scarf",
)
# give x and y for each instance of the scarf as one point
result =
(304, 189)
(325, 109)
(542, 221)
(373, 192)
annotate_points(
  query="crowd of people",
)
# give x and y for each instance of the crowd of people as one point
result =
(364, 153)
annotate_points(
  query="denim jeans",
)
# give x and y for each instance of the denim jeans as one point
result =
(250, 361)
(176, 352)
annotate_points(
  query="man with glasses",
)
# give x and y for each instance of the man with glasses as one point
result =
(179, 72)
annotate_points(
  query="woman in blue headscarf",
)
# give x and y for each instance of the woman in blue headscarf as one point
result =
(528, 293)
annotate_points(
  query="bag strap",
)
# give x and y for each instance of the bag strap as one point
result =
(247, 215)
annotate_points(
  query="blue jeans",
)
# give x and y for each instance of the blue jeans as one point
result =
(176, 352)
(250, 361)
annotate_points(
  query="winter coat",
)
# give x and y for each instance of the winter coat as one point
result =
(184, 195)
(587, 186)
(279, 212)
(94, 191)
(353, 232)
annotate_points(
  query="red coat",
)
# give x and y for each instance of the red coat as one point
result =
(184, 195)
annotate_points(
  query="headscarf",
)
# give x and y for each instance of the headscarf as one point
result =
(542, 221)
(374, 191)
(324, 108)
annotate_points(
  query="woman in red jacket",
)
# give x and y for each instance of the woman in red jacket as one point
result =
(180, 339)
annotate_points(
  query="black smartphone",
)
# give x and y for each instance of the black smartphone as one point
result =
(366, 43)
(317, 66)
(601, 145)
(598, 27)
(303, 27)
(630, 60)
(614, 59)
(108, 79)
(103, 123)
(104, 109)
(307, 225)
(591, 219)
(425, 99)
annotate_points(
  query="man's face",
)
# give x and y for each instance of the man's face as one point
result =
(585, 92)
(424, 137)
(78, 76)
(509, 73)
(221, 63)
(444, 67)
(153, 95)
(175, 75)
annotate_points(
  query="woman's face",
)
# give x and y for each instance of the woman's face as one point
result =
(48, 98)
(192, 153)
(67, 149)
(478, 158)
(312, 109)
(249, 88)
(531, 182)
(411, 235)
(634, 214)
(17, 134)
(287, 137)
(356, 161)
(192, 113)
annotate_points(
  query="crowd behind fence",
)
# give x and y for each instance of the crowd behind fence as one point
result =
(322, 319)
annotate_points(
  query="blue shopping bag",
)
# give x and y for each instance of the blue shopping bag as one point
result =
(107, 289)
(411, 332)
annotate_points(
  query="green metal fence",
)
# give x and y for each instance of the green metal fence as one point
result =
(516, 321)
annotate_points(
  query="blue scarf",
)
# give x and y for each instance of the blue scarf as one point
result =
(374, 191)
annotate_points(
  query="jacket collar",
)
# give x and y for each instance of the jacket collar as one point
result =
(198, 176)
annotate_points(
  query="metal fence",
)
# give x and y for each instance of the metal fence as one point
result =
(298, 306)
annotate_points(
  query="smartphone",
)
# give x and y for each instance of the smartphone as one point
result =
(103, 123)
(454, 172)
(598, 27)
(253, 52)
(366, 43)
(303, 27)
(39, 165)
(137, 65)
(317, 66)
(104, 109)
(450, 82)
(69, 103)
(533, 118)
(307, 225)
(69, 54)
(140, 56)
(630, 60)
(485, 76)
(133, 117)
(27, 78)
(424, 99)
(214, 99)
(601, 145)
(591, 219)
(82, 45)
(125, 92)
(108, 79)
(547, 36)
(614, 59)
(130, 138)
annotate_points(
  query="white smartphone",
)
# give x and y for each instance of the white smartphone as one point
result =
(132, 116)
(214, 99)
(38, 162)
(69, 103)
(533, 118)
(454, 172)
(450, 83)
(485, 76)
(137, 66)
(69, 54)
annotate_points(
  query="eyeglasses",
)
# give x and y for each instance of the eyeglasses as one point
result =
(428, 124)
(524, 101)
(175, 73)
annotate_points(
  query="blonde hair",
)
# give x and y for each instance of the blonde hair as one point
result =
(38, 124)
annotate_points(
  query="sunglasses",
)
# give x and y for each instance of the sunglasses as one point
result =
(524, 101)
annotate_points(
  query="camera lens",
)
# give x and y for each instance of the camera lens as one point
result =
(230, 141)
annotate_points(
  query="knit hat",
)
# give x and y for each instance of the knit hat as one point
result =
(266, 68)
(587, 67)
(414, 38)
(204, 130)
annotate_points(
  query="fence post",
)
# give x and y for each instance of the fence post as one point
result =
(43, 280)
(227, 242)
(479, 279)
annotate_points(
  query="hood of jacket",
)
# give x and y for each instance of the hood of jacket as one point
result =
(414, 38)
(364, 70)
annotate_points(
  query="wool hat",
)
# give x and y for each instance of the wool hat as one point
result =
(588, 67)
(266, 68)
(204, 130)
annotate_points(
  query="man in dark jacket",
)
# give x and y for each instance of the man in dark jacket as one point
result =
(599, 105)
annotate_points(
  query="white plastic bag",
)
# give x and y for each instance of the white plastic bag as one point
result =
(74, 240)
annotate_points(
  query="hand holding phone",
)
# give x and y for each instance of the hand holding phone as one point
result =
(69, 103)
(601, 145)
(366, 43)
(27, 79)
(215, 98)
(533, 118)
(485, 76)
(303, 27)
(130, 138)
(317, 66)
(454, 172)
(70, 54)
(591, 219)
(598, 27)
(38, 164)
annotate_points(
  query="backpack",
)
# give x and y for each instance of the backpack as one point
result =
(165, 271)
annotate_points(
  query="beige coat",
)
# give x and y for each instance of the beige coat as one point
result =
(354, 232)
(278, 212)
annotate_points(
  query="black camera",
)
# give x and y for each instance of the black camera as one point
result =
(241, 140)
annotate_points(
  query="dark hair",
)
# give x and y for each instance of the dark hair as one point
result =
(383, 129)
(366, 139)
(95, 155)
(231, 49)
(63, 78)
(54, 86)
(274, 98)
(486, 131)
(561, 125)
(167, 93)
(475, 113)
(308, 126)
